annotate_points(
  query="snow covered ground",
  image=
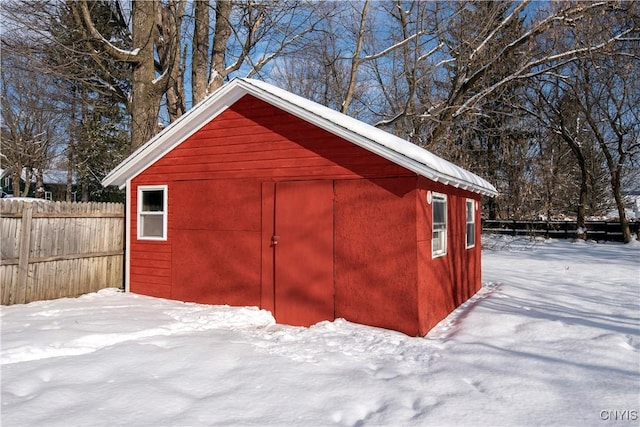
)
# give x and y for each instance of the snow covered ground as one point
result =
(553, 338)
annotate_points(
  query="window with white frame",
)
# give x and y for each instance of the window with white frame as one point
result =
(152, 212)
(439, 233)
(471, 223)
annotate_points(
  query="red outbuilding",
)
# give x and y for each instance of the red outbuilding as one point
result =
(258, 197)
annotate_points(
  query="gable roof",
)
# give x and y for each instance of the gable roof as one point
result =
(377, 141)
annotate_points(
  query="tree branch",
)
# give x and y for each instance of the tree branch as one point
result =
(114, 51)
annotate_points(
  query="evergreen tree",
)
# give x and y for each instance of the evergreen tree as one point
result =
(96, 87)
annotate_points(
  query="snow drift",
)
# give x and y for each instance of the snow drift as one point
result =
(552, 338)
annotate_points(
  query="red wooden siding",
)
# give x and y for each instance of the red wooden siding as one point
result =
(255, 139)
(447, 281)
(216, 241)
(150, 274)
(354, 229)
(376, 272)
(215, 177)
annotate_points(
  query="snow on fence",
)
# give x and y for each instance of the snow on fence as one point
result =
(63, 249)
(596, 230)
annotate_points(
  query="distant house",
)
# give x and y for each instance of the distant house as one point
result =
(5, 182)
(632, 202)
(55, 183)
(260, 197)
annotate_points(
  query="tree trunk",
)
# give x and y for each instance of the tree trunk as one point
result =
(221, 35)
(71, 146)
(39, 190)
(85, 192)
(584, 179)
(69, 187)
(492, 167)
(27, 182)
(200, 51)
(355, 61)
(617, 194)
(145, 98)
(582, 201)
(169, 22)
(15, 177)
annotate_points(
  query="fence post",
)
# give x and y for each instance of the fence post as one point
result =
(23, 257)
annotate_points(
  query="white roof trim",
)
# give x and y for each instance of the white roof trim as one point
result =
(377, 141)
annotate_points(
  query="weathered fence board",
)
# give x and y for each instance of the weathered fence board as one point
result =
(596, 230)
(53, 250)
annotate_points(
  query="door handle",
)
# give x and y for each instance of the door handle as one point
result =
(274, 240)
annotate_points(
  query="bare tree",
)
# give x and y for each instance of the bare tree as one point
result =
(493, 54)
(147, 88)
(558, 112)
(452, 76)
(319, 72)
(610, 105)
(607, 89)
(352, 64)
(81, 83)
(30, 121)
(470, 87)
(149, 38)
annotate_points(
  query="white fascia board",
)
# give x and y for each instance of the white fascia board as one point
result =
(127, 239)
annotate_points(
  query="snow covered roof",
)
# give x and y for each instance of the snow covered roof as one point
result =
(50, 176)
(377, 141)
(57, 176)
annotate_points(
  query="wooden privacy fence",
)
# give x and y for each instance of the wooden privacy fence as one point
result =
(63, 249)
(596, 230)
